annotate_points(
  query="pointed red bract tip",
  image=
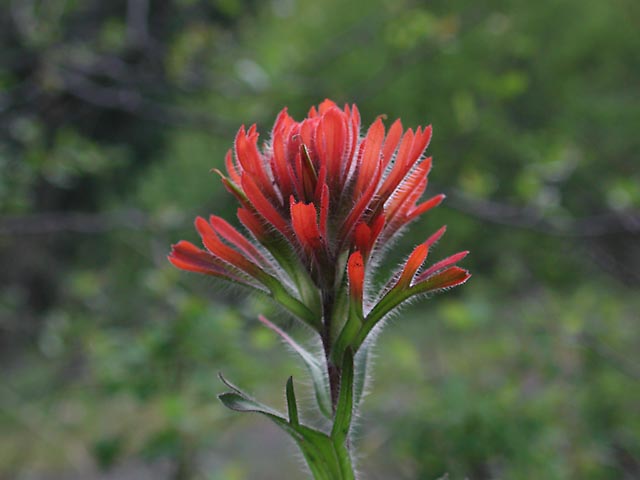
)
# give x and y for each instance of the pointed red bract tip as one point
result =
(365, 235)
(370, 160)
(391, 141)
(217, 248)
(426, 206)
(326, 105)
(305, 225)
(355, 273)
(186, 256)
(442, 264)
(362, 237)
(436, 236)
(263, 206)
(451, 277)
(234, 237)
(414, 262)
(331, 143)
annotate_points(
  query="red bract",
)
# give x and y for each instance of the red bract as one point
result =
(319, 201)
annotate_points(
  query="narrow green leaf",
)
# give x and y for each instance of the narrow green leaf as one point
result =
(306, 158)
(236, 190)
(239, 401)
(320, 387)
(235, 401)
(344, 408)
(292, 406)
(231, 385)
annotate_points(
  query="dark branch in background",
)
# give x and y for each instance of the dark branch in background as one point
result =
(133, 102)
(73, 222)
(591, 342)
(137, 22)
(532, 218)
(528, 218)
(132, 81)
(124, 93)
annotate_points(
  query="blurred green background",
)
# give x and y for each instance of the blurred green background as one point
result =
(113, 113)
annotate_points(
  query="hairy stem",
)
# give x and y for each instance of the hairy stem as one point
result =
(333, 370)
(341, 400)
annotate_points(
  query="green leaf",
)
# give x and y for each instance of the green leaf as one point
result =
(239, 401)
(314, 366)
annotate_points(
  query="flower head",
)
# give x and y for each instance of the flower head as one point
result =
(318, 202)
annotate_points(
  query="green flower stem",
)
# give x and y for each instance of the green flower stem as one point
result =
(341, 387)
(340, 456)
(343, 416)
(344, 459)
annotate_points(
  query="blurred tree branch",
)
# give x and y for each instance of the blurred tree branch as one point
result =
(593, 343)
(133, 101)
(529, 218)
(84, 223)
(532, 218)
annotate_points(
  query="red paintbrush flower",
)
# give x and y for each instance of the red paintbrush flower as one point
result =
(319, 202)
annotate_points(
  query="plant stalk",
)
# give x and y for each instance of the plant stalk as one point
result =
(341, 387)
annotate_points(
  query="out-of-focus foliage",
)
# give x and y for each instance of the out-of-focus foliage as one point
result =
(113, 113)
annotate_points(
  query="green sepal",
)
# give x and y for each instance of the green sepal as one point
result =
(349, 331)
(340, 313)
(288, 260)
(235, 189)
(314, 366)
(293, 305)
(292, 405)
(309, 163)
